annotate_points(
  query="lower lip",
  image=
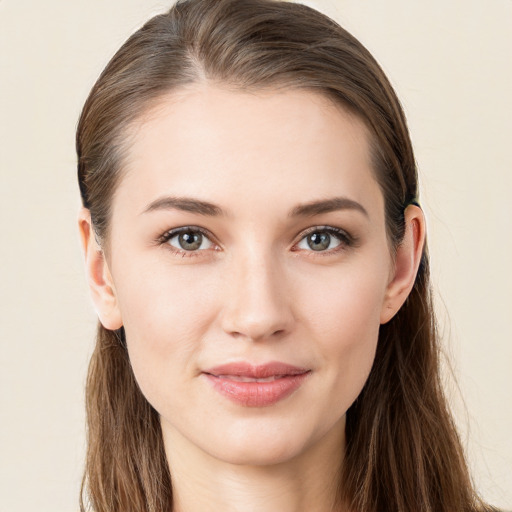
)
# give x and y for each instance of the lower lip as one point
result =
(257, 394)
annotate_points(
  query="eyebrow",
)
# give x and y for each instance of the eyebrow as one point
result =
(189, 204)
(186, 204)
(325, 206)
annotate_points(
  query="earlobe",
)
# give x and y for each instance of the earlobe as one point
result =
(407, 261)
(99, 278)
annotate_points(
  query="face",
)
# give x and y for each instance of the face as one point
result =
(250, 268)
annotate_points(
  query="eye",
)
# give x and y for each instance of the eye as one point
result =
(187, 240)
(324, 239)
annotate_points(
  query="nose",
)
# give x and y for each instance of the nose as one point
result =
(257, 303)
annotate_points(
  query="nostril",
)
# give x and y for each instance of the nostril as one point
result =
(256, 304)
(254, 335)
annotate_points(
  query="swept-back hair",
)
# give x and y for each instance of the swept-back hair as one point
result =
(403, 453)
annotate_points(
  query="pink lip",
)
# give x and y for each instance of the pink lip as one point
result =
(256, 393)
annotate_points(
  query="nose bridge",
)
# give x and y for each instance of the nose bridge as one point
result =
(256, 303)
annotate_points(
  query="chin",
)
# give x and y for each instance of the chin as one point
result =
(258, 454)
(260, 444)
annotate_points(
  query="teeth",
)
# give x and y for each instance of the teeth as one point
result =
(249, 379)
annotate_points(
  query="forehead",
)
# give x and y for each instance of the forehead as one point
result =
(247, 149)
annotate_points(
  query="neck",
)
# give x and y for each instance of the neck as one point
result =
(306, 483)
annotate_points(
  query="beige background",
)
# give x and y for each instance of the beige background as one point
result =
(451, 64)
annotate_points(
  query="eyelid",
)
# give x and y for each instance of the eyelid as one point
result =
(171, 233)
(345, 239)
(330, 229)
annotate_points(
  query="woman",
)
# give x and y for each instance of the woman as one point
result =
(256, 255)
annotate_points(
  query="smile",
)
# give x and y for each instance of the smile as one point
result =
(256, 386)
(249, 379)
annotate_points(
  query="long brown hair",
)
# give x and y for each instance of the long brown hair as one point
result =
(403, 452)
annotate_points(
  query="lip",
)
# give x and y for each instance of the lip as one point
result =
(241, 382)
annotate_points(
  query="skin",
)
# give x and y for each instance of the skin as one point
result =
(254, 290)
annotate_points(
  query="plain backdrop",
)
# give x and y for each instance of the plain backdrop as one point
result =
(450, 61)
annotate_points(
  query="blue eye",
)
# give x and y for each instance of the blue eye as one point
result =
(324, 239)
(187, 239)
(191, 241)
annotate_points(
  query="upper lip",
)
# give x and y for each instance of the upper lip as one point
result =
(260, 371)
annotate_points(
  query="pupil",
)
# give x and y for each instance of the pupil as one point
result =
(190, 241)
(319, 241)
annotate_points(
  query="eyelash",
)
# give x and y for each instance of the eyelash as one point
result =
(346, 240)
(164, 240)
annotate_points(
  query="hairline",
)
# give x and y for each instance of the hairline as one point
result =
(150, 107)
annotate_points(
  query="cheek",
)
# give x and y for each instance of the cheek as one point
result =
(345, 321)
(162, 303)
(344, 303)
(165, 316)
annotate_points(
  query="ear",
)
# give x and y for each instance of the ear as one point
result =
(98, 275)
(407, 261)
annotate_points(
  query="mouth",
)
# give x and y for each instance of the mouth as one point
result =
(256, 385)
(237, 378)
